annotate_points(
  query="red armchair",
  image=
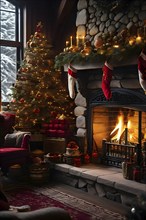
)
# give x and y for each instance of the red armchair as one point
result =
(14, 146)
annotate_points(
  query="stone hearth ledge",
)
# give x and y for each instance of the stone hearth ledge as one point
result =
(104, 175)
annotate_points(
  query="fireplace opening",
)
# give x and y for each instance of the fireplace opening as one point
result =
(118, 133)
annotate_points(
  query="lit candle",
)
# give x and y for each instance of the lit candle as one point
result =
(83, 40)
(116, 46)
(67, 43)
(138, 39)
(77, 42)
(70, 41)
(131, 41)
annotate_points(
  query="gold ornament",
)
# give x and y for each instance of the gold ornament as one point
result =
(86, 51)
(98, 42)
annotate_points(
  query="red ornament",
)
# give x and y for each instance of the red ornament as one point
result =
(36, 110)
(53, 114)
(95, 155)
(86, 159)
(38, 96)
(13, 100)
(22, 100)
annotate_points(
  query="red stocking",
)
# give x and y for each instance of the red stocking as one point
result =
(142, 70)
(72, 78)
(106, 80)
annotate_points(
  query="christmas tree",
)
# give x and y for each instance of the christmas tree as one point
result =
(38, 94)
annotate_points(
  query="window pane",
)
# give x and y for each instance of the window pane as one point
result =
(8, 25)
(5, 5)
(8, 71)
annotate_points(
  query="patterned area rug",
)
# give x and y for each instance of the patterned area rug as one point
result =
(78, 209)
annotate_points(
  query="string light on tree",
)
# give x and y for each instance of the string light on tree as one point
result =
(34, 94)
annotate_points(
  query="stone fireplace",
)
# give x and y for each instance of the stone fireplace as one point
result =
(108, 33)
(97, 118)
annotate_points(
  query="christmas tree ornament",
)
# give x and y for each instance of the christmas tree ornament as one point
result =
(22, 100)
(106, 80)
(142, 69)
(38, 94)
(72, 78)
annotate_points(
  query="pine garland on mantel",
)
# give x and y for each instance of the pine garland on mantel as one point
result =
(115, 56)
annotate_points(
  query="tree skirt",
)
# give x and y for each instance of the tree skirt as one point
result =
(79, 209)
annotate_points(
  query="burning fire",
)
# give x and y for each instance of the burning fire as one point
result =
(123, 131)
(118, 129)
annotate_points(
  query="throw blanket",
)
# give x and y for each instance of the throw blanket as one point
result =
(15, 139)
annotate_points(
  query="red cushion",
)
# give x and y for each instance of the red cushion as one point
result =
(12, 152)
(50, 126)
(11, 149)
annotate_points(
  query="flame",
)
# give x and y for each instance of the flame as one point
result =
(119, 128)
(125, 130)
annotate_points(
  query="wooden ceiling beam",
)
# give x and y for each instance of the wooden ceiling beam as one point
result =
(65, 8)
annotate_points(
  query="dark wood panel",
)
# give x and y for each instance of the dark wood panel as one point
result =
(58, 18)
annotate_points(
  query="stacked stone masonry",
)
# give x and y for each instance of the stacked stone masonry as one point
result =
(100, 181)
(94, 20)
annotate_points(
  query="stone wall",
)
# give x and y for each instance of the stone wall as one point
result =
(97, 18)
(99, 181)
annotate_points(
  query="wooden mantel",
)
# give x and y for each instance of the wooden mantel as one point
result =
(96, 65)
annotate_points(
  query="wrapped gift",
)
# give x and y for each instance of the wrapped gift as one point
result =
(77, 162)
(51, 126)
(56, 126)
(137, 174)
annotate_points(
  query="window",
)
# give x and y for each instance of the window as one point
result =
(11, 44)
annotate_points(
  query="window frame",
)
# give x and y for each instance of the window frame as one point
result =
(18, 42)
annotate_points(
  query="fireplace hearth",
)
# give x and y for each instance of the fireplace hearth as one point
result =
(102, 120)
(101, 115)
